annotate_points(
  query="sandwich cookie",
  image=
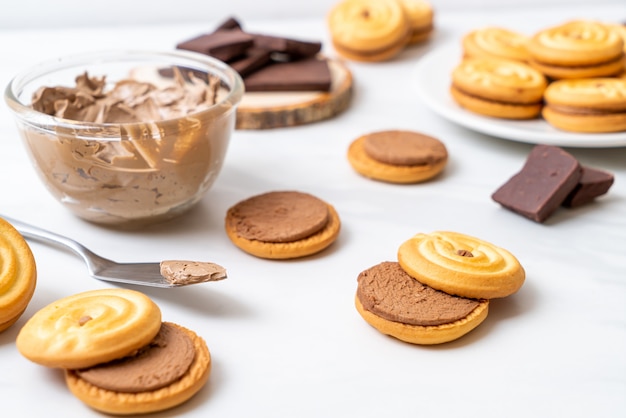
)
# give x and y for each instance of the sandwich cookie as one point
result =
(118, 356)
(396, 304)
(461, 265)
(577, 49)
(398, 156)
(18, 275)
(369, 30)
(421, 15)
(498, 88)
(496, 42)
(587, 105)
(282, 225)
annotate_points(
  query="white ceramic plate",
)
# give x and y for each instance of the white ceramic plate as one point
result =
(432, 80)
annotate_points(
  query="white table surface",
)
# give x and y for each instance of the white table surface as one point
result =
(285, 337)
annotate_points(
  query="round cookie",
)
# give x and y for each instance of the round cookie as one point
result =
(498, 88)
(587, 105)
(282, 225)
(89, 328)
(496, 42)
(173, 368)
(461, 265)
(398, 305)
(577, 49)
(369, 30)
(398, 156)
(421, 15)
(18, 275)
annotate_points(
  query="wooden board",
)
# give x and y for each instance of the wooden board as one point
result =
(268, 110)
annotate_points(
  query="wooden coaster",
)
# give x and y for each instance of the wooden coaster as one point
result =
(267, 110)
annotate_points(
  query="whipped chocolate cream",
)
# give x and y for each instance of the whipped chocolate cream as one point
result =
(404, 148)
(166, 151)
(189, 272)
(129, 101)
(165, 360)
(388, 291)
(284, 216)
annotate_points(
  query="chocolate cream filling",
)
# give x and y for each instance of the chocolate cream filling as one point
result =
(162, 362)
(388, 291)
(404, 148)
(285, 216)
(511, 103)
(569, 110)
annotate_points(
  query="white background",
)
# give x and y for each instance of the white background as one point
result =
(75, 13)
(285, 337)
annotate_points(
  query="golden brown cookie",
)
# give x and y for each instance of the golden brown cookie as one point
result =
(282, 225)
(18, 275)
(498, 88)
(89, 328)
(369, 30)
(398, 156)
(587, 105)
(577, 49)
(492, 41)
(398, 305)
(461, 265)
(421, 16)
(168, 372)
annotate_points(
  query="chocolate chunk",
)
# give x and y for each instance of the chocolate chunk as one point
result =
(291, 47)
(223, 44)
(592, 183)
(254, 59)
(546, 179)
(310, 74)
(230, 23)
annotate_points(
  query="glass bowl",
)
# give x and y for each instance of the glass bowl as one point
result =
(127, 170)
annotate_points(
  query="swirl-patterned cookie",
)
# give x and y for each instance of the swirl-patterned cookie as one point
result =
(18, 275)
(496, 42)
(587, 105)
(498, 87)
(89, 328)
(461, 265)
(577, 49)
(420, 14)
(369, 30)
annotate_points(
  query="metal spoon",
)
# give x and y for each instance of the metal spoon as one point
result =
(144, 274)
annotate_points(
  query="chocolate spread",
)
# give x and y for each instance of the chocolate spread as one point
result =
(404, 148)
(165, 360)
(388, 291)
(283, 216)
(189, 272)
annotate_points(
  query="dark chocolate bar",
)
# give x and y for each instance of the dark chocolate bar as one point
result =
(293, 48)
(546, 179)
(254, 59)
(224, 45)
(230, 23)
(309, 74)
(592, 183)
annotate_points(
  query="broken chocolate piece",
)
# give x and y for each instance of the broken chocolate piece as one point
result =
(254, 59)
(223, 44)
(592, 183)
(291, 47)
(230, 23)
(310, 74)
(546, 179)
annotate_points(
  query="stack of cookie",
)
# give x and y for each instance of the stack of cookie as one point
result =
(571, 74)
(439, 289)
(117, 354)
(377, 30)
